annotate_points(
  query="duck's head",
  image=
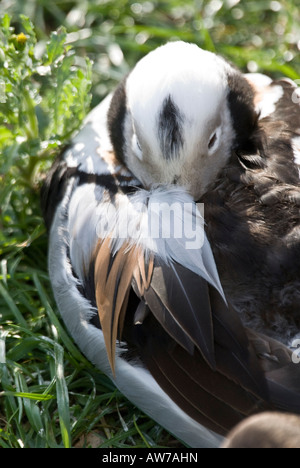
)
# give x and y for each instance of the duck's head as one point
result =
(178, 116)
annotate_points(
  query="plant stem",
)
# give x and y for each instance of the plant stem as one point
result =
(33, 127)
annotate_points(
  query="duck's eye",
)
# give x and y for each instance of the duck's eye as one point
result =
(136, 146)
(212, 141)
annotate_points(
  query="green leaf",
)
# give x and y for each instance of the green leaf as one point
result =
(31, 409)
(12, 306)
(62, 396)
(3, 97)
(56, 46)
(30, 396)
(5, 135)
(5, 23)
(28, 27)
(22, 348)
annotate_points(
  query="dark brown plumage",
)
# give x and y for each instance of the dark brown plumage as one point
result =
(253, 224)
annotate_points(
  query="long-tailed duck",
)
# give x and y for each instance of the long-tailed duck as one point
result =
(191, 319)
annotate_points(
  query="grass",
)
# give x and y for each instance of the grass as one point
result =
(50, 395)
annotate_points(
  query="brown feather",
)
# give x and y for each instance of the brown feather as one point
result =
(142, 278)
(103, 297)
(208, 396)
(146, 278)
(113, 278)
(124, 268)
(186, 313)
(123, 315)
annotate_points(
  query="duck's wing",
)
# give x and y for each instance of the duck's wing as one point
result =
(171, 319)
(138, 283)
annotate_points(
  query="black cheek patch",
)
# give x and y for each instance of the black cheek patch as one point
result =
(116, 117)
(170, 124)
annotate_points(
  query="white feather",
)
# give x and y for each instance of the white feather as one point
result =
(83, 216)
(165, 221)
(267, 104)
(258, 79)
(196, 80)
(92, 143)
(266, 96)
(296, 149)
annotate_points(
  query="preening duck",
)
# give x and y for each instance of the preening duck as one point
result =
(193, 320)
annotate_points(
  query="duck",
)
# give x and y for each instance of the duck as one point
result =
(266, 430)
(174, 239)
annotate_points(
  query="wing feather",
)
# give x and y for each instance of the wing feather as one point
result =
(210, 397)
(112, 291)
(185, 296)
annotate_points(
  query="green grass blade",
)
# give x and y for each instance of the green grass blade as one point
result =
(62, 397)
(12, 306)
(30, 396)
(55, 321)
(32, 410)
(3, 335)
